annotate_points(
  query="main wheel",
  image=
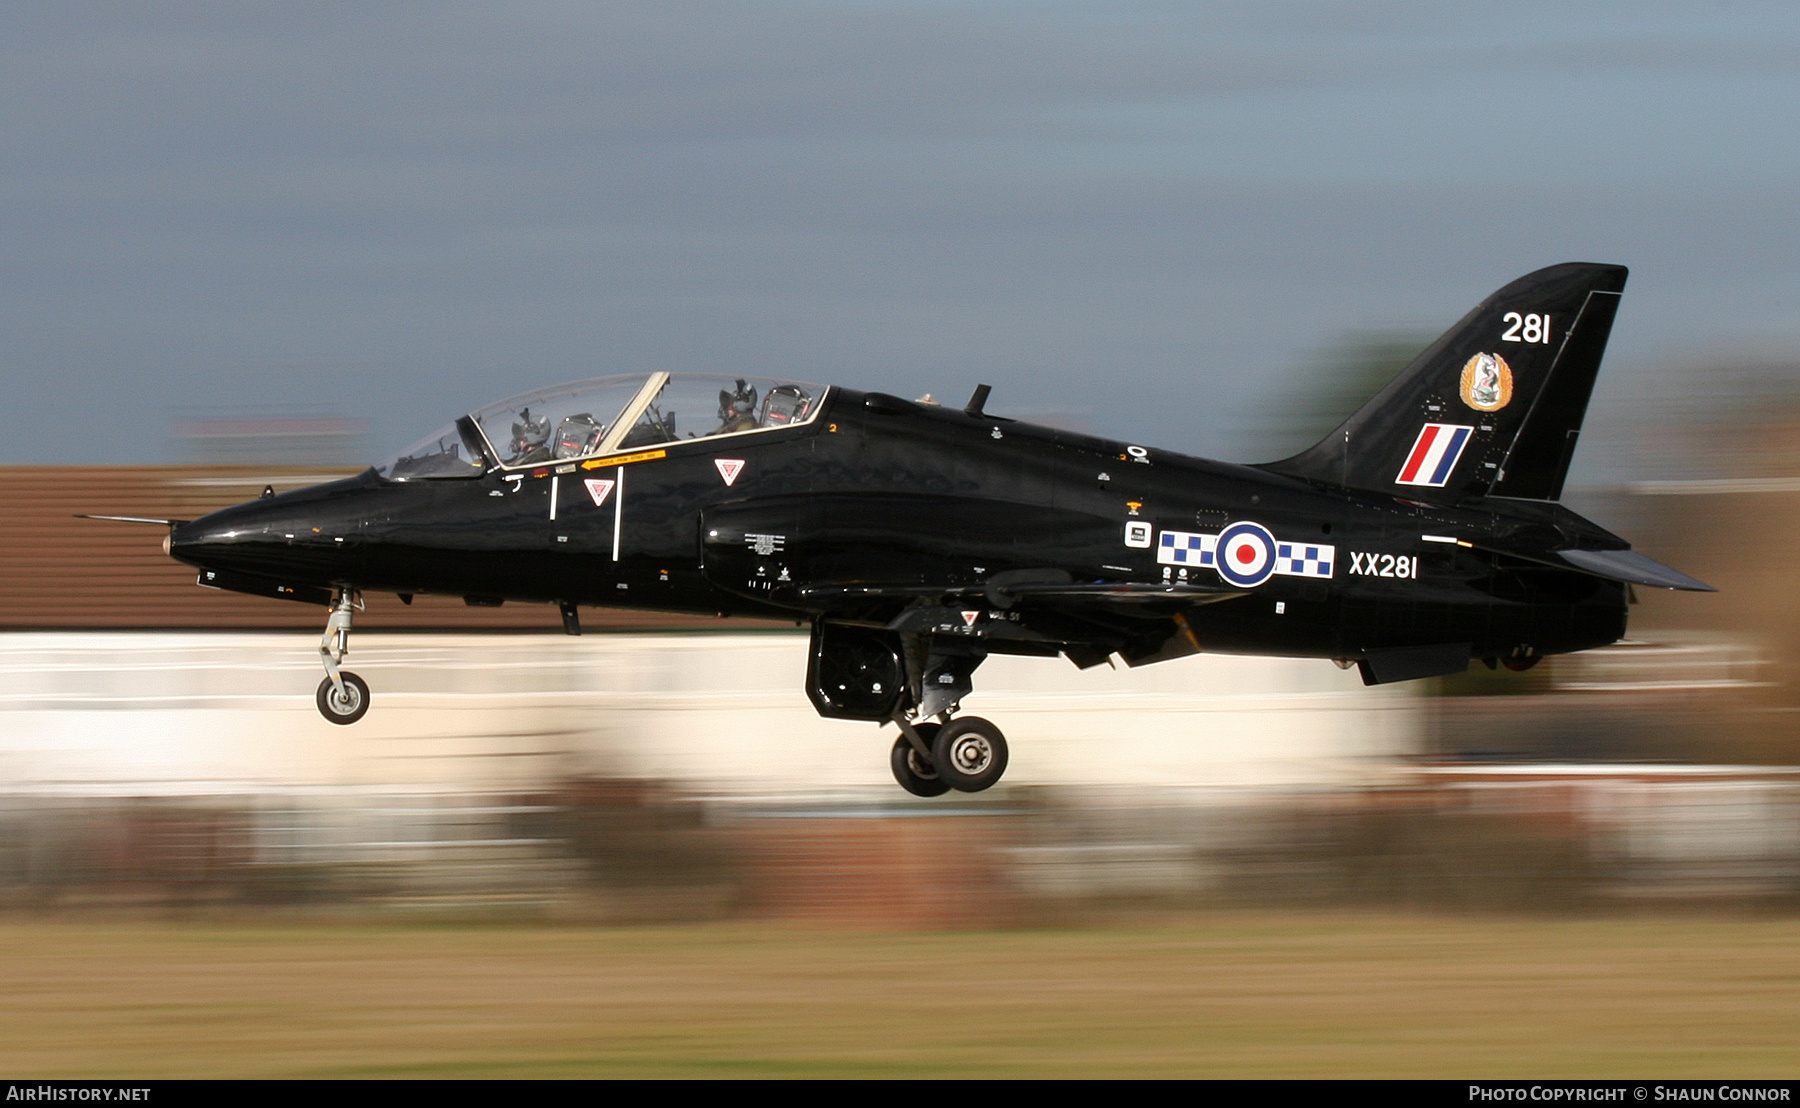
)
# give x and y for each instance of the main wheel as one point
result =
(970, 754)
(916, 774)
(348, 707)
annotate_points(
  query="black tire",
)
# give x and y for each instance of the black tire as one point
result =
(914, 774)
(356, 691)
(970, 754)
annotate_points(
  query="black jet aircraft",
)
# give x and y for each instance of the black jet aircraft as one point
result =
(916, 539)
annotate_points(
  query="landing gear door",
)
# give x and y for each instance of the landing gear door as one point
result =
(855, 672)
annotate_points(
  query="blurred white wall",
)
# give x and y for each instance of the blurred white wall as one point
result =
(725, 714)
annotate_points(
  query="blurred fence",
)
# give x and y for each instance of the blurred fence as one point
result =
(686, 771)
(1542, 837)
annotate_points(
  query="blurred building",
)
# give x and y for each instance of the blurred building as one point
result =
(57, 571)
(271, 439)
(159, 742)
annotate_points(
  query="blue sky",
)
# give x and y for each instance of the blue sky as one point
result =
(1153, 219)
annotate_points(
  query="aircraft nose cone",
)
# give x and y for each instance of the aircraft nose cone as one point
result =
(211, 543)
(263, 539)
(185, 541)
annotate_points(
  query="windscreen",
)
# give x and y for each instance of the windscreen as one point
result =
(445, 453)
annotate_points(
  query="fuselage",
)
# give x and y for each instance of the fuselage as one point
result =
(882, 492)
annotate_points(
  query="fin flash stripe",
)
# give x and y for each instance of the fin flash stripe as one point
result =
(1434, 455)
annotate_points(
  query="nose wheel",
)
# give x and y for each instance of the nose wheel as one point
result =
(348, 705)
(343, 697)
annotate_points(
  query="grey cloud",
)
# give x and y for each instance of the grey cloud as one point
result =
(411, 210)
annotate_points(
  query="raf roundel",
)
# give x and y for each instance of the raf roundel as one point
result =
(1246, 555)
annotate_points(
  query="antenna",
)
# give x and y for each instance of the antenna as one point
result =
(978, 401)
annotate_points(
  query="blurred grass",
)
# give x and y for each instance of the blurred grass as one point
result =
(1215, 995)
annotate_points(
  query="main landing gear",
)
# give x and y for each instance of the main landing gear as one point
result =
(916, 681)
(343, 697)
(930, 759)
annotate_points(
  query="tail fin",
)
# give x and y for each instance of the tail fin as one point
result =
(1491, 408)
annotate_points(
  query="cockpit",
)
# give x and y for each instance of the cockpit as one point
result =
(604, 416)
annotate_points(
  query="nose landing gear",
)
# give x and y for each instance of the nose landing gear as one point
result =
(345, 702)
(343, 697)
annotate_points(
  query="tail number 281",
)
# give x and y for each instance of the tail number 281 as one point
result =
(1526, 328)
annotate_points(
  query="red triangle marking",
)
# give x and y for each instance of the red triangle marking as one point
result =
(729, 468)
(598, 489)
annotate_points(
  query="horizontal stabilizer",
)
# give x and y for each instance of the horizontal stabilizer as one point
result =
(1632, 567)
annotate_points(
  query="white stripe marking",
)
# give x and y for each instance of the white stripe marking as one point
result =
(618, 510)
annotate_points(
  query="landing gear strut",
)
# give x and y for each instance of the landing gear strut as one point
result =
(912, 763)
(343, 697)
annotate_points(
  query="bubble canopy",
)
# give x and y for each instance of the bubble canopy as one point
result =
(604, 415)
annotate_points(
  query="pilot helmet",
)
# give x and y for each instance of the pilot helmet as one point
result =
(738, 403)
(530, 432)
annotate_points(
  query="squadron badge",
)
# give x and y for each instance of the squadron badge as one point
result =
(1487, 383)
